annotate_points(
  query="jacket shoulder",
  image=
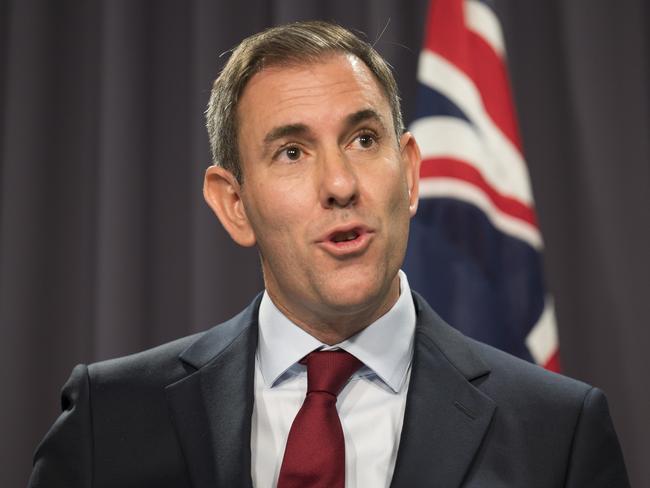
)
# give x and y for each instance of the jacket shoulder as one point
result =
(558, 429)
(527, 384)
(495, 372)
(165, 364)
(157, 366)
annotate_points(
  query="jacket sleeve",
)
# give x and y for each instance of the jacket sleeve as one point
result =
(596, 458)
(64, 457)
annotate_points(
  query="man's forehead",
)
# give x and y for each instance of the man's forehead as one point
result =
(292, 92)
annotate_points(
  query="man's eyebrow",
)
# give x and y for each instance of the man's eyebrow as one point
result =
(362, 116)
(300, 129)
(285, 131)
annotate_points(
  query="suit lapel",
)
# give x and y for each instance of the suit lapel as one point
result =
(446, 417)
(445, 420)
(212, 407)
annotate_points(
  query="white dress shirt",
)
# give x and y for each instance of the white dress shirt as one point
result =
(370, 406)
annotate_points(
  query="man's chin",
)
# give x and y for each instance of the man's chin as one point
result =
(359, 298)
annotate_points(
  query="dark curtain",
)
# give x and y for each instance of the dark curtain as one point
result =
(106, 246)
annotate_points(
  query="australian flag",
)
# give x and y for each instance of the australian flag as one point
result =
(475, 249)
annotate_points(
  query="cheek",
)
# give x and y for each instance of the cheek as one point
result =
(275, 214)
(395, 190)
(397, 210)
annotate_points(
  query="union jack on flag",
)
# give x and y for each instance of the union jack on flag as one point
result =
(475, 249)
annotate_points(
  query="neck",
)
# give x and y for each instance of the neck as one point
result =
(337, 326)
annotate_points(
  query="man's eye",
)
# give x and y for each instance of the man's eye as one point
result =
(366, 141)
(293, 153)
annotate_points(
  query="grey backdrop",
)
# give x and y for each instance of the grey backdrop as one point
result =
(106, 246)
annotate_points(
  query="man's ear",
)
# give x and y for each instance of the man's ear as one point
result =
(411, 159)
(222, 192)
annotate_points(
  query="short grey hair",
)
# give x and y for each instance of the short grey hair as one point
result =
(284, 45)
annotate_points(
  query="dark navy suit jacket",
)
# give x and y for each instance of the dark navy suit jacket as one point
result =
(179, 416)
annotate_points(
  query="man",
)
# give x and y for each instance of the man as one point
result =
(313, 166)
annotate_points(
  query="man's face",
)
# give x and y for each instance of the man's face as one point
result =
(328, 190)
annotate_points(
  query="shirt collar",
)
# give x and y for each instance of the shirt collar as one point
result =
(385, 347)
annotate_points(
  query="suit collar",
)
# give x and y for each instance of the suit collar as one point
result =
(212, 407)
(446, 417)
(385, 347)
(449, 342)
(445, 420)
(216, 340)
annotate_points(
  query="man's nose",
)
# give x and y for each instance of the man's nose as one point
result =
(338, 185)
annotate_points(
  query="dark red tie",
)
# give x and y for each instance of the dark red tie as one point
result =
(315, 453)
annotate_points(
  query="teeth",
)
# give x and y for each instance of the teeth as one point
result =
(345, 236)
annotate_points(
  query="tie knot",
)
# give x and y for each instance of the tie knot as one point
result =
(328, 371)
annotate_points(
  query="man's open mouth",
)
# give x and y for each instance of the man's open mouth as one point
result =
(347, 241)
(349, 235)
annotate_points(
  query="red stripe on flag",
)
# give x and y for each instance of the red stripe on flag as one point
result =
(448, 36)
(460, 170)
(553, 363)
